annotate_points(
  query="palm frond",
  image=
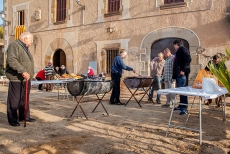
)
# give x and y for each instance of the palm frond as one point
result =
(221, 71)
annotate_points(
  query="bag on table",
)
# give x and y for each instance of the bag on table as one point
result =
(57, 77)
(198, 81)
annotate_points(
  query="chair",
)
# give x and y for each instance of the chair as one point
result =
(3, 80)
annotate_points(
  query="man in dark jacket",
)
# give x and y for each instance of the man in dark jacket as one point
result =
(181, 70)
(116, 73)
(19, 68)
(63, 70)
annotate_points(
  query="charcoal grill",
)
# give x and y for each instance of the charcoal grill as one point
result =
(89, 87)
(138, 82)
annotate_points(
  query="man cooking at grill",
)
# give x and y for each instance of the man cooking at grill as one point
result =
(116, 73)
(156, 66)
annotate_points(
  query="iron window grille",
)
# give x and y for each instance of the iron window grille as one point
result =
(110, 55)
(172, 1)
(113, 6)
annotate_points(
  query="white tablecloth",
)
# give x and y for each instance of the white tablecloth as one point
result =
(63, 81)
(51, 81)
(189, 91)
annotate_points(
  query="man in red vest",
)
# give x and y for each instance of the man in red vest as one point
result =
(40, 76)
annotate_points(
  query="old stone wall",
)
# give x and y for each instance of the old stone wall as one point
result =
(85, 31)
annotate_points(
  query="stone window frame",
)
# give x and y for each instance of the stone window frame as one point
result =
(53, 12)
(106, 9)
(122, 44)
(125, 5)
(161, 4)
(20, 7)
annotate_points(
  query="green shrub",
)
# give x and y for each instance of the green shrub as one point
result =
(221, 72)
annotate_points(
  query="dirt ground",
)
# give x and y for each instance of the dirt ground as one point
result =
(127, 130)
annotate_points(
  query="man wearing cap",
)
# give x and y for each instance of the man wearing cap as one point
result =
(19, 68)
(49, 73)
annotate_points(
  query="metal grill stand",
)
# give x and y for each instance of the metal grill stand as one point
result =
(138, 83)
(79, 101)
(84, 88)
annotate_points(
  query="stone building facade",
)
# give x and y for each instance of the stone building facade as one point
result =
(93, 31)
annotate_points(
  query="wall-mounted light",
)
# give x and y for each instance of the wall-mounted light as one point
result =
(110, 29)
(78, 2)
(5, 22)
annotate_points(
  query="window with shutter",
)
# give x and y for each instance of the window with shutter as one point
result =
(113, 6)
(21, 17)
(61, 10)
(172, 1)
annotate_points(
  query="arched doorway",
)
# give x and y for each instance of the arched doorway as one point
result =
(60, 44)
(161, 44)
(170, 32)
(59, 58)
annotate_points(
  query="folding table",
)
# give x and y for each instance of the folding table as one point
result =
(54, 82)
(189, 91)
(138, 83)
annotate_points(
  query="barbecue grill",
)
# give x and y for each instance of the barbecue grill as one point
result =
(137, 82)
(89, 87)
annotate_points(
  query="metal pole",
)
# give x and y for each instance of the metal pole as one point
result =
(173, 106)
(224, 109)
(200, 114)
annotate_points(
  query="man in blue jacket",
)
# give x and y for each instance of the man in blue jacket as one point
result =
(116, 73)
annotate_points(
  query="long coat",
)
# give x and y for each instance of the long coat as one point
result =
(181, 62)
(19, 60)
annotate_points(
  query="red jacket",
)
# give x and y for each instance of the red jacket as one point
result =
(41, 75)
(91, 72)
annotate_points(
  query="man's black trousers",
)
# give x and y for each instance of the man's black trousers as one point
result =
(15, 101)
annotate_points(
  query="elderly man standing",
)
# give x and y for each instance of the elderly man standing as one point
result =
(19, 68)
(156, 66)
(167, 76)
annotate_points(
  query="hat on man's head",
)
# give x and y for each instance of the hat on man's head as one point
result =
(49, 63)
